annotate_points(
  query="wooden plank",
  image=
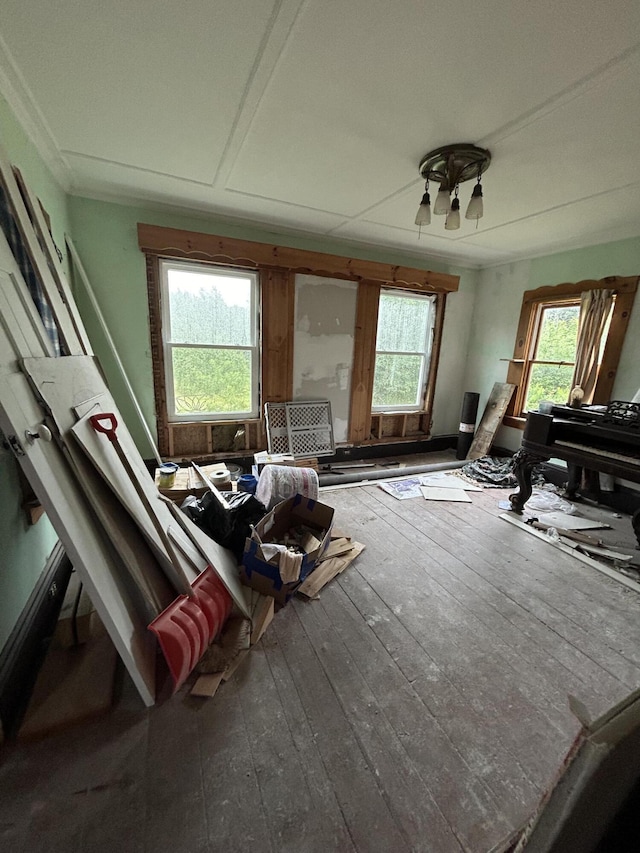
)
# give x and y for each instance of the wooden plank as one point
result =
(262, 617)
(206, 685)
(336, 548)
(278, 303)
(364, 359)
(172, 242)
(329, 569)
(497, 403)
(235, 663)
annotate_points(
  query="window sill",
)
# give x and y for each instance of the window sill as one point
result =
(516, 423)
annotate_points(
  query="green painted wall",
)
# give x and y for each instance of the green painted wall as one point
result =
(498, 302)
(105, 237)
(24, 549)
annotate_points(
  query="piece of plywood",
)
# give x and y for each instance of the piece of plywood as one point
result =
(432, 493)
(448, 481)
(146, 580)
(494, 411)
(101, 453)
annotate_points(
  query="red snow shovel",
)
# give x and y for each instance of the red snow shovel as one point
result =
(189, 624)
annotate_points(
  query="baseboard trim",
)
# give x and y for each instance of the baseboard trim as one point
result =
(24, 651)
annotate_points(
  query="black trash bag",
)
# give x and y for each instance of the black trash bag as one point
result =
(228, 526)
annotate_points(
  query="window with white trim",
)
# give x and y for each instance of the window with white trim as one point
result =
(403, 350)
(210, 321)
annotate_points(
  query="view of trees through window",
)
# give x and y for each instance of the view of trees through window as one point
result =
(211, 341)
(551, 368)
(403, 343)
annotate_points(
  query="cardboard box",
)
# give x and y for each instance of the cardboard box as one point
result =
(264, 576)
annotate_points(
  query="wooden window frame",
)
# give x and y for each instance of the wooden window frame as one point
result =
(167, 264)
(533, 300)
(277, 267)
(425, 355)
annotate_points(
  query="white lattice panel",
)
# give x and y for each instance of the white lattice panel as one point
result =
(310, 428)
(277, 432)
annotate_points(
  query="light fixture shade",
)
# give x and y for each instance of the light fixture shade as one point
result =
(423, 216)
(443, 201)
(475, 210)
(453, 217)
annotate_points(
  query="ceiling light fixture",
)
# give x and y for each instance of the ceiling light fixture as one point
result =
(450, 166)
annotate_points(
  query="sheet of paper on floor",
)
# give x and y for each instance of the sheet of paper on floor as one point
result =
(403, 489)
(448, 481)
(434, 494)
(570, 522)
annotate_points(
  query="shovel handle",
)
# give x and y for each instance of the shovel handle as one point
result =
(105, 422)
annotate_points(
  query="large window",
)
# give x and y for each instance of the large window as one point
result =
(553, 354)
(403, 349)
(210, 341)
(545, 351)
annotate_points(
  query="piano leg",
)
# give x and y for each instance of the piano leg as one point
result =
(523, 464)
(575, 480)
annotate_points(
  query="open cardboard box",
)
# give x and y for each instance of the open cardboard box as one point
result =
(264, 575)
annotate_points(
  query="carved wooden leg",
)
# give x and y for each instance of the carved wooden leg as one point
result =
(523, 464)
(575, 479)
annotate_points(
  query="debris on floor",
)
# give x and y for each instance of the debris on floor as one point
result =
(619, 561)
(431, 486)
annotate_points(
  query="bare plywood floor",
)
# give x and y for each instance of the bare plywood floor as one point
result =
(419, 705)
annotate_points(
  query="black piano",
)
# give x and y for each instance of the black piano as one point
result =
(593, 438)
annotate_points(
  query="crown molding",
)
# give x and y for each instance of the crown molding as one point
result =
(17, 94)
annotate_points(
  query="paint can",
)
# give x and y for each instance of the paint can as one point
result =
(167, 474)
(247, 483)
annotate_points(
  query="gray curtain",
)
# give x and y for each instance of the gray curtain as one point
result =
(595, 309)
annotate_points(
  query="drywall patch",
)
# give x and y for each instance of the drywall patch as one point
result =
(323, 344)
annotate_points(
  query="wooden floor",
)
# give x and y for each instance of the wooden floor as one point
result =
(420, 704)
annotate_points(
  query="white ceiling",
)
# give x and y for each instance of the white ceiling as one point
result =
(313, 115)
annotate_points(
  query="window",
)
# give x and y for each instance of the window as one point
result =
(191, 424)
(550, 368)
(403, 349)
(210, 341)
(544, 356)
